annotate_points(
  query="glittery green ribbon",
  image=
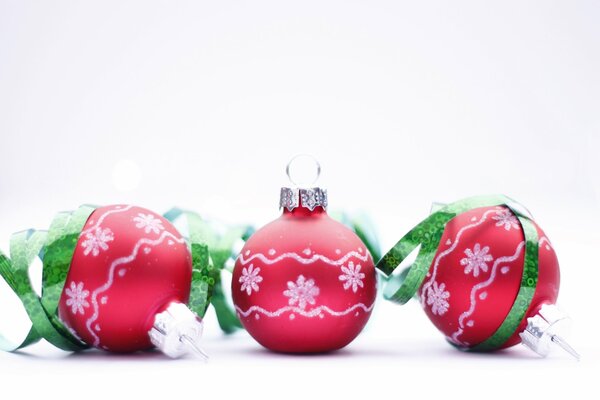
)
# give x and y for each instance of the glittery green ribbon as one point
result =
(427, 235)
(525, 294)
(55, 248)
(210, 253)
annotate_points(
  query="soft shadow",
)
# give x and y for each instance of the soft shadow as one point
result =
(342, 353)
(95, 355)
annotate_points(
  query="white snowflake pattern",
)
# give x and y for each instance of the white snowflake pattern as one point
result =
(148, 222)
(97, 241)
(303, 292)
(77, 298)
(352, 277)
(506, 219)
(476, 260)
(437, 298)
(250, 279)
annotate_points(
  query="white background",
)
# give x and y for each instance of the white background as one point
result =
(201, 104)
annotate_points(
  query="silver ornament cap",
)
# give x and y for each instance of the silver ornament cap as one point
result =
(547, 328)
(177, 331)
(303, 171)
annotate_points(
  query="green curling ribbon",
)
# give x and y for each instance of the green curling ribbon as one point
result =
(55, 248)
(210, 253)
(221, 253)
(362, 225)
(525, 294)
(428, 233)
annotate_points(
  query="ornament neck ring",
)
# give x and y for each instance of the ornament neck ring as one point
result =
(303, 171)
(312, 198)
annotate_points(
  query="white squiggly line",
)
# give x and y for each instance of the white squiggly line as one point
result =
(111, 275)
(454, 338)
(482, 285)
(543, 240)
(315, 257)
(310, 314)
(103, 217)
(450, 250)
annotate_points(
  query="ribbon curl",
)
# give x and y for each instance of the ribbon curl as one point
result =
(55, 248)
(427, 235)
(210, 253)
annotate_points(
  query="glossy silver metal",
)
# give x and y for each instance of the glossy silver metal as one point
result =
(548, 328)
(311, 198)
(177, 331)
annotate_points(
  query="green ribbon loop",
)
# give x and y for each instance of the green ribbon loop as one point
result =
(362, 225)
(525, 294)
(204, 274)
(427, 235)
(210, 253)
(55, 248)
(222, 252)
(62, 239)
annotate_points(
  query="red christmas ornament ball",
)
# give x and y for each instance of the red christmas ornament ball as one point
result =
(476, 274)
(129, 264)
(304, 283)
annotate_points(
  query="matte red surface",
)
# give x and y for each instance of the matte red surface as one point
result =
(305, 234)
(489, 310)
(150, 268)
